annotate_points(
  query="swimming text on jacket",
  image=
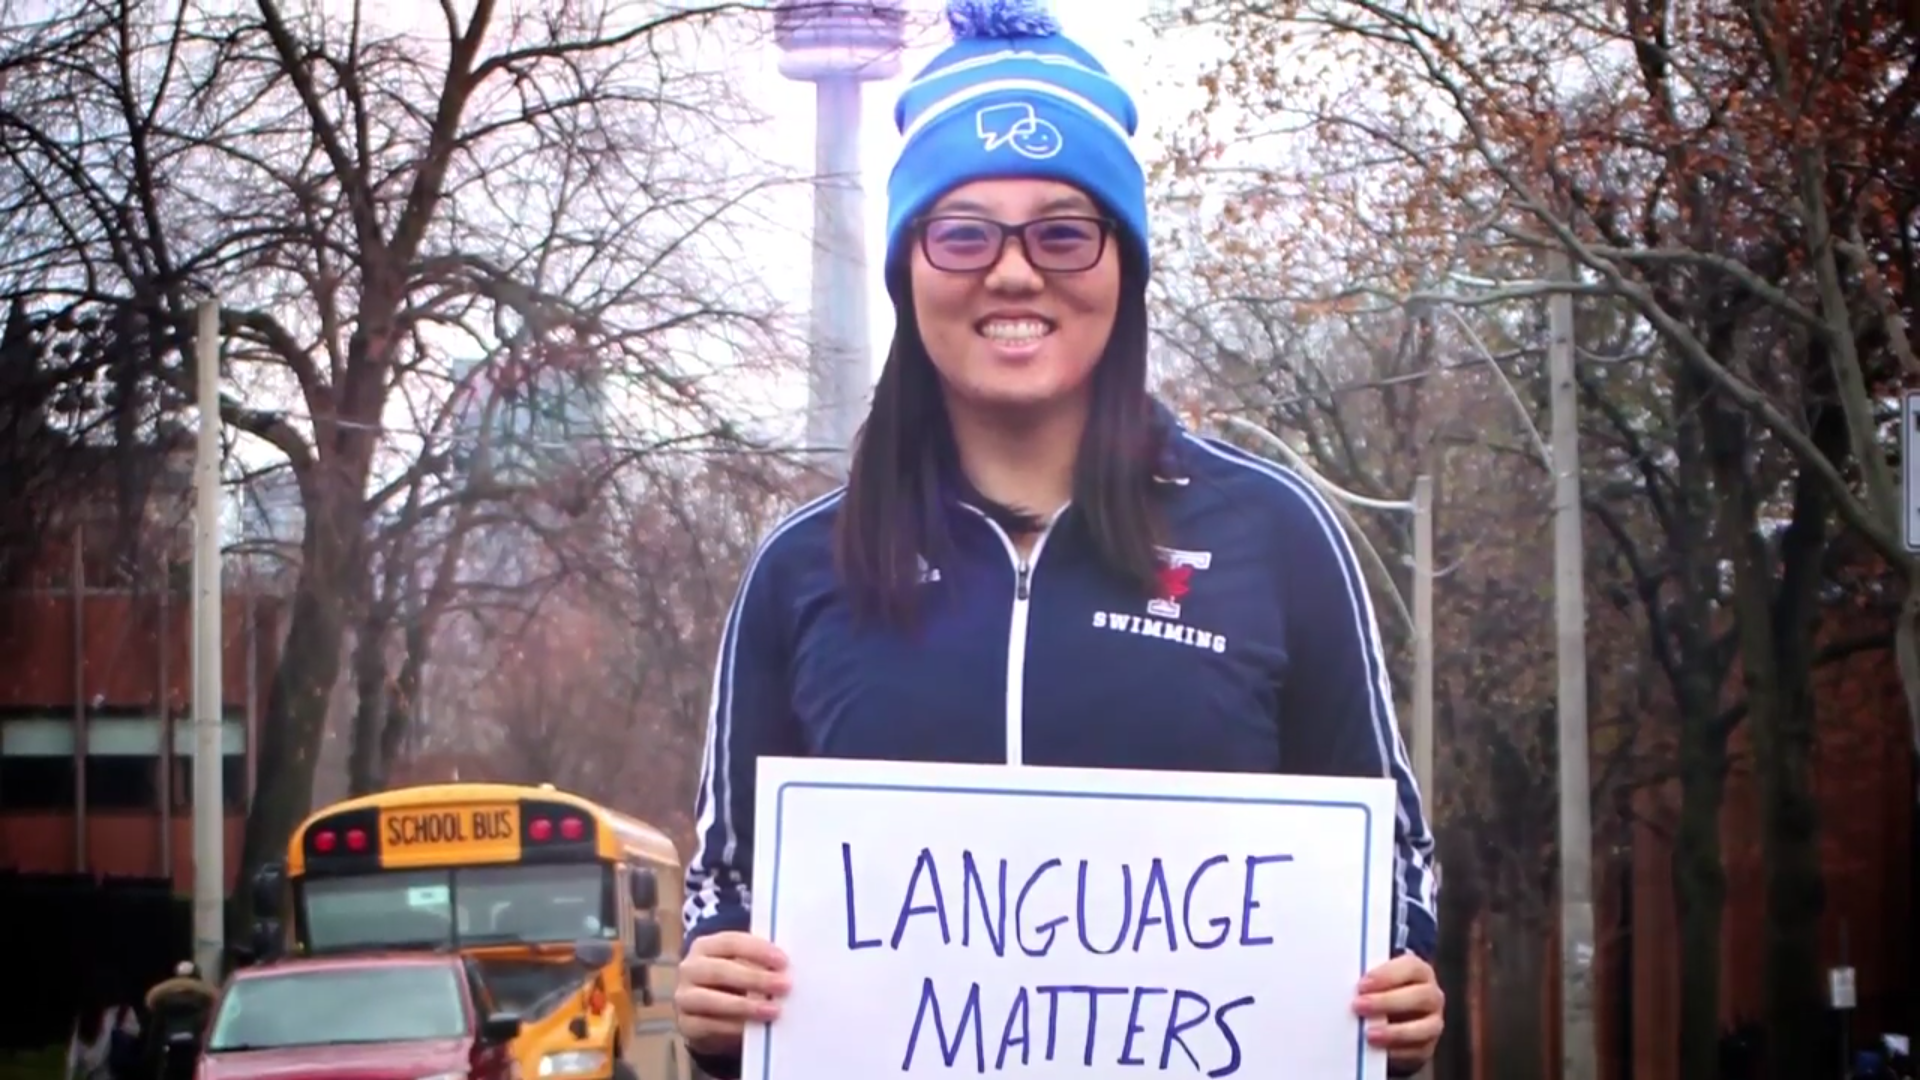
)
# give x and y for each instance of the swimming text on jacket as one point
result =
(1165, 629)
(982, 903)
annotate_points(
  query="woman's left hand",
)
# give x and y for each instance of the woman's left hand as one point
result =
(1404, 1008)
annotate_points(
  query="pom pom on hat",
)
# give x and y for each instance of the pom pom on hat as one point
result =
(1000, 19)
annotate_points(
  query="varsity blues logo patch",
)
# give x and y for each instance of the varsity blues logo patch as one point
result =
(1018, 127)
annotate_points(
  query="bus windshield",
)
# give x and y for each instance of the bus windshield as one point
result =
(456, 906)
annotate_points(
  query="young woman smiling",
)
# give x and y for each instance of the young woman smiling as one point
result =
(1031, 562)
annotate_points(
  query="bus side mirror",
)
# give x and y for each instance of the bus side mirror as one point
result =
(646, 940)
(640, 959)
(267, 889)
(644, 889)
(264, 943)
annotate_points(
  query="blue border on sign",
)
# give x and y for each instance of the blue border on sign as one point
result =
(1366, 874)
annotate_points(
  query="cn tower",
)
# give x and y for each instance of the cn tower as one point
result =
(836, 45)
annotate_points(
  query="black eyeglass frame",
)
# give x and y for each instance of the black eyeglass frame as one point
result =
(1018, 231)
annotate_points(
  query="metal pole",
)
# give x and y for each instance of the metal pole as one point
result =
(209, 817)
(166, 722)
(1839, 992)
(1423, 637)
(1423, 657)
(80, 734)
(1577, 1045)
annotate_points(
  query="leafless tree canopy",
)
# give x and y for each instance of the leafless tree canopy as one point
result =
(482, 271)
(1357, 229)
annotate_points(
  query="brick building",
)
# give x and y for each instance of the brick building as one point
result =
(1862, 774)
(96, 739)
(1863, 778)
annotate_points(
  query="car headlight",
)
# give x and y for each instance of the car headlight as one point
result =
(573, 1063)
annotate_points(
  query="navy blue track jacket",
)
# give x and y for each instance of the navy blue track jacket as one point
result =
(1261, 655)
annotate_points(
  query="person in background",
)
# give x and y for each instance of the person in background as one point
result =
(1032, 561)
(185, 990)
(177, 1010)
(98, 1047)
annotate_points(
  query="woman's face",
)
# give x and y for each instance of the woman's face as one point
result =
(1009, 327)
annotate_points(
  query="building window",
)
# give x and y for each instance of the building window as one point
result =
(123, 763)
(122, 766)
(233, 764)
(122, 782)
(233, 784)
(36, 763)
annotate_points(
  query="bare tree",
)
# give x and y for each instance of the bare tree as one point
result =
(1371, 398)
(595, 677)
(376, 206)
(1733, 179)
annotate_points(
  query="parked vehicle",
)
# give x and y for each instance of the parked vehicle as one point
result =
(408, 1016)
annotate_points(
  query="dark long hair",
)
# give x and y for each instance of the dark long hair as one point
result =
(905, 468)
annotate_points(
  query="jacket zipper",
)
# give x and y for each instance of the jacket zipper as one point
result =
(1017, 630)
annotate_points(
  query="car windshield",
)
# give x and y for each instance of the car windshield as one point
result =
(327, 1006)
(469, 905)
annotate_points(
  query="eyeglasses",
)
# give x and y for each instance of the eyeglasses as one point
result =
(962, 244)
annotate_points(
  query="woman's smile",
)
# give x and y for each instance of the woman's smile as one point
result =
(1014, 337)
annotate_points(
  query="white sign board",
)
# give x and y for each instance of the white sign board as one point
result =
(956, 920)
(1910, 468)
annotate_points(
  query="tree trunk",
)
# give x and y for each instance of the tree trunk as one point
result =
(1453, 960)
(1697, 676)
(1906, 645)
(1679, 594)
(404, 697)
(1783, 750)
(1700, 891)
(1796, 892)
(365, 772)
(296, 718)
(302, 688)
(1517, 1014)
(1775, 617)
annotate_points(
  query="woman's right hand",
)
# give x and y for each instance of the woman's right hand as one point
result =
(726, 980)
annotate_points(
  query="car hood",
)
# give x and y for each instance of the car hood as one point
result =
(355, 1061)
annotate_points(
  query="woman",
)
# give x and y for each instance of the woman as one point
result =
(1031, 562)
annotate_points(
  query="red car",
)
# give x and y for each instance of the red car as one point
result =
(408, 1016)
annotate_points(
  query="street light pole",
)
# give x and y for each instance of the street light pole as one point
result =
(1423, 725)
(209, 818)
(1577, 1048)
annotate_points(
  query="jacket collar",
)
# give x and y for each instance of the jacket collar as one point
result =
(1171, 458)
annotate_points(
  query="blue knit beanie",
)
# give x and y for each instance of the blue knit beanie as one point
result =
(1013, 97)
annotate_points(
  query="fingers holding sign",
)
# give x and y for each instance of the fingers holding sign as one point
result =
(728, 980)
(1405, 1010)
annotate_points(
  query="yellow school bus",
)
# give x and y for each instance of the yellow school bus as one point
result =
(566, 912)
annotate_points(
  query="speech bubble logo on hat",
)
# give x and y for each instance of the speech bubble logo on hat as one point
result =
(1019, 127)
